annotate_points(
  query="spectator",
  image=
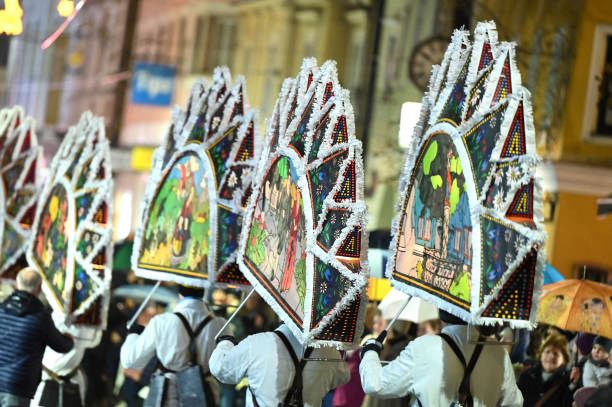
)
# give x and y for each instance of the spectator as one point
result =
(397, 340)
(62, 370)
(26, 329)
(583, 344)
(597, 369)
(548, 382)
(350, 394)
(429, 369)
(431, 327)
(602, 396)
(266, 362)
(166, 337)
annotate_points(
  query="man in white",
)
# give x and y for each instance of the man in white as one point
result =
(166, 337)
(264, 360)
(429, 370)
(65, 365)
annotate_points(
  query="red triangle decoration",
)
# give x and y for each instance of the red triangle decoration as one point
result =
(328, 92)
(521, 208)
(26, 142)
(28, 217)
(340, 135)
(246, 148)
(514, 299)
(238, 107)
(351, 247)
(515, 142)
(347, 190)
(486, 57)
(504, 85)
(31, 176)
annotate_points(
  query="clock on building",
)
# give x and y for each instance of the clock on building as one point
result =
(424, 55)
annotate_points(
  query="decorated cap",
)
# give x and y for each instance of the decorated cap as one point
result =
(71, 242)
(303, 245)
(20, 157)
(468, 235)
(191, 215)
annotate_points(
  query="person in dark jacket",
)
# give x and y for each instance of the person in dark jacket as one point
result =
(548, 382)
(26, 328)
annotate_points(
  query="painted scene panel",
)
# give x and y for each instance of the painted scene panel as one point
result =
(276, 244)
(51, 242)
(434, 250)
(177, 234)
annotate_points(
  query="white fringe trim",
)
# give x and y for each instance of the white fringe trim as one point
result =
(218, 98)
(441, 85)
(84, 142)
(15, 136)
(338, 105)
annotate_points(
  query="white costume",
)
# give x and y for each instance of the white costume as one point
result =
(63, 364)
(429, 369)
(165, 337)
(265, 362)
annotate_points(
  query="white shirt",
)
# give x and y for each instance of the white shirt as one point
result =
(62, 364)
(166, 337)
(264, 360)
(429, 369)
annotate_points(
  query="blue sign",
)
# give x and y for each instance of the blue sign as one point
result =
(153, 84)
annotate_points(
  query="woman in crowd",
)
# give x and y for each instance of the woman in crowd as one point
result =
(548, 383)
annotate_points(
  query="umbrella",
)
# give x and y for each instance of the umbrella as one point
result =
(469, 232)
(192, 211)
(140, 292)
(302, 247)
(19, 158)
(416, 311)
(551, 275)
(71, 243)
(578, 305)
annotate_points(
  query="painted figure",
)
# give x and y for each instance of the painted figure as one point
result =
(293, 235)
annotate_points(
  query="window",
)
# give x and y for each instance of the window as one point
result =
(457, 241)
(467, 244)
(427, 229)
(597, 125)
(420, 228)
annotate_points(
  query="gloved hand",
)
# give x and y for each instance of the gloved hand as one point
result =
(371, 344)
(136, 329)
(226, 338)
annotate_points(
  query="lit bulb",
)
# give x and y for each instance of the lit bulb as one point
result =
(65, 7)
(10, 18)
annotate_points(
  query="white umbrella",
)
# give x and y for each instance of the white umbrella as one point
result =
(416, 311)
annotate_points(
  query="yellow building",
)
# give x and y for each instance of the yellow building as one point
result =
(274, 36)
(564, 49)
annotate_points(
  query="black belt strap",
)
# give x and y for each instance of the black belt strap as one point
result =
(192, 336)
(295, 391)
(296, 386)
(57, 377)
(465, 395)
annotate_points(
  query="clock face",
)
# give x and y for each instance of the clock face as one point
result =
(424, 55)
